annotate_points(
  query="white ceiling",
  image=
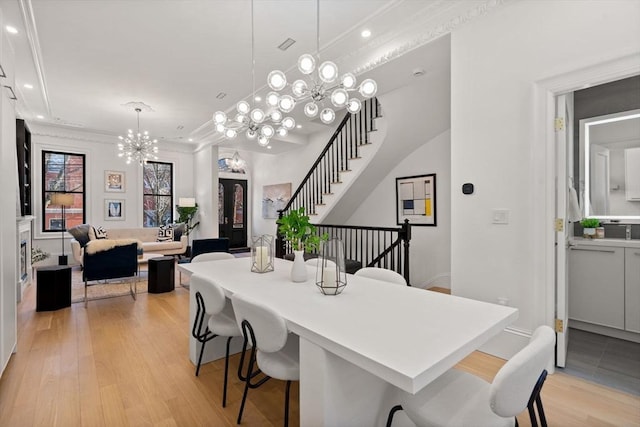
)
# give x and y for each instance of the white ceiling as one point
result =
(85, 59)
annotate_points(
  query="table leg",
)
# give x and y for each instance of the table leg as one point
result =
(334, 392)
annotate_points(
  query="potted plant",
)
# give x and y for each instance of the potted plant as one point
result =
(185, 216)
(589, 226)
(297, 230)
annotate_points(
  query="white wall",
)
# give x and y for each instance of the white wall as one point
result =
(101, 154)
(430, 259)
(496, 61)
(206, 192)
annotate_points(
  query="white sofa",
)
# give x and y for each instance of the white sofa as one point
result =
(147, 236)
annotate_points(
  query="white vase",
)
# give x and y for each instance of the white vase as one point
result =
(589, 233)
(299, 268)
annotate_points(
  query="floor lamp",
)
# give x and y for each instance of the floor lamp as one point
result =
(63, 200)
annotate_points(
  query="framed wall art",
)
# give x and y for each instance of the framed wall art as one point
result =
(274, 198)
(416, 199)
(114, 181)
(114, 210)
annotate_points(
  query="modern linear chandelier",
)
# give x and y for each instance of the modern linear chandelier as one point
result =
(316, 90)
(139, 146)
(255, 122)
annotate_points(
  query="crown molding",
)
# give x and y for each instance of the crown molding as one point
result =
(36, 52)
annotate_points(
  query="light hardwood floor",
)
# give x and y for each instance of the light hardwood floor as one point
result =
(125, 363)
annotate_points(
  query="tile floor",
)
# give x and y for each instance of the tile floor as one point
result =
(604, 360)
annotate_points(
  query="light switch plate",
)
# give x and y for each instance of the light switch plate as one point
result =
(500, 216)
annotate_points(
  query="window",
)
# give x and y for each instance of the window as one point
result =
(62, 173)
(157, 194)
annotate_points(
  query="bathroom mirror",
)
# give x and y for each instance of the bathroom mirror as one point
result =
(610, 159)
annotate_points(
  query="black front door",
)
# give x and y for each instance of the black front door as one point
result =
(232, 202)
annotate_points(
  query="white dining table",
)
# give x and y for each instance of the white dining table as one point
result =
(353, 346)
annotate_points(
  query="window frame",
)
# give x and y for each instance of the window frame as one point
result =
(44, 192)
(169, 195)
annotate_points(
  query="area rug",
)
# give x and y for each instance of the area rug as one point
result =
(104, 288)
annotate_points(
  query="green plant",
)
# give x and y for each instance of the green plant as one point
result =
(590, 223)
(185, 215)
(296, 228)
(38, 254)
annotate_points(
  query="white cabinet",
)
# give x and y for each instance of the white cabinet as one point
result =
(632, 289)
(597, 285)
(632, 174)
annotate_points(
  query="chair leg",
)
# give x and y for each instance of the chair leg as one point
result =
(85, 294)
(543, 419)
(244, 398)
(392, 412)
(200, 357)
(286, 404)
(226, 372)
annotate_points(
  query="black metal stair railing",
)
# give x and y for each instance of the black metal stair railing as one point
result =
(344, 146)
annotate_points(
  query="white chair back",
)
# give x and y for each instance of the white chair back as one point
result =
(512, 385)
(212, 294)
(269, 328)
(212, 256)
(313, 262)
(381, 274)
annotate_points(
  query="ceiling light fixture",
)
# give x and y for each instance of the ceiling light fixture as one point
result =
(28, 86)
(11, 30)
(237, 163)
(255, 122)
(327, 85)
(366, 33)
(40, 116)
(139, 146)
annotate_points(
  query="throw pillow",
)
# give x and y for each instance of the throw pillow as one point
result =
(80, 233)
(165, 233)
(178, 231)
(96, 233)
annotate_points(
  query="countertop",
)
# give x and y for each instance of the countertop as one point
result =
(619, 243)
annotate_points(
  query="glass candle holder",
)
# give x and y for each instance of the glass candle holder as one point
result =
(262, 251)
(331, 276)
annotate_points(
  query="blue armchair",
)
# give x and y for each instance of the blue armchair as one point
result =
(120, 261)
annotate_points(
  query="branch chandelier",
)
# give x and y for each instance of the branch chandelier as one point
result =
(317, 90)
(138, 146)
(254, 122)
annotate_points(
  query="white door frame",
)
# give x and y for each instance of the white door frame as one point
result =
(543, 155)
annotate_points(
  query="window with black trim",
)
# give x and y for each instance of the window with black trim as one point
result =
(157, 196)
(62, 173)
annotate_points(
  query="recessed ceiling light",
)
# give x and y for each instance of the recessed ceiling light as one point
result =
(365, 33)
(258, 99)
(299, 126)
(40, 116)
(12, 30)
(190, 139)
(268, 147)
(28, 86)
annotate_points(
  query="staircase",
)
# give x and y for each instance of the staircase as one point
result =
(341, 161)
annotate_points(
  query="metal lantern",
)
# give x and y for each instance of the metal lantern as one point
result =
(331, 276)
(262, 250)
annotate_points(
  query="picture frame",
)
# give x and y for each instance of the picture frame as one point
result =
(416, 200)
(274, 198)
(114, 209)
(114, 181)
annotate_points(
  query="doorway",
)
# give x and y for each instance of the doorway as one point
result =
(232, 219)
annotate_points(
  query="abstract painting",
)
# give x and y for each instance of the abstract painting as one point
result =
(416, 199)
(274, 198)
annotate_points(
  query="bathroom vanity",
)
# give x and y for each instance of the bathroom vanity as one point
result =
(604, 284)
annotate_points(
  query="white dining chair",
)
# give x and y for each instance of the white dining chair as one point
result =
(274, 351)
(211, 301)
(313, 262)
(209, 256)
(461, 399)
(381, 274)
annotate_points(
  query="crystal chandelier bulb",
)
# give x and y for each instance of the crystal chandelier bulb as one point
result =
(276, 116)
(220, 128)
(282, 131)
(267, 131)
(251, 134)
(219, 117)
(306, 63)
(277, 80)
(299, 88)
(368, 88)
(257, 115)
(354, 105)
(339, 98)
(239, 118)
(348, 81)
(230, 133)
(311, 109)
(272, 99)
(328, 72)
(287, 103)
(243, 107)
(327, 116)
(288, 123)
(263, 141)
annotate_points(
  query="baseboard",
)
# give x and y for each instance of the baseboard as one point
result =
(439, 281)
